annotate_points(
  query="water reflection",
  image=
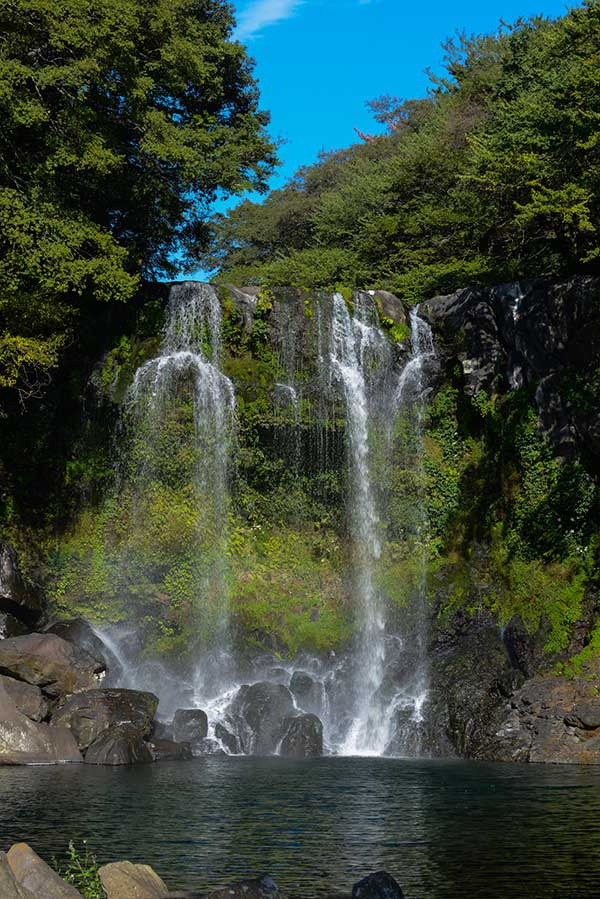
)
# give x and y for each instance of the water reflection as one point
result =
(444, 829)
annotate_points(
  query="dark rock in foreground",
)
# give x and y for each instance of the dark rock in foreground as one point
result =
(377, 886)
(120, 745)
(260, 888)
(228, 740)
(190, 726)
(79, 632)
(303, 737)
(92, 712)
(50, 662)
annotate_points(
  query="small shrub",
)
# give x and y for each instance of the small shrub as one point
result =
(81, 871)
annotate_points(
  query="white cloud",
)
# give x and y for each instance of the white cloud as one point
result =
(261, 13)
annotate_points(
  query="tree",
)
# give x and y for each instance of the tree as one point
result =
(120, 122)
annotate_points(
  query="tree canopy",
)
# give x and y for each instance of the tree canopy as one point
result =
(494, 175)
(120, 122)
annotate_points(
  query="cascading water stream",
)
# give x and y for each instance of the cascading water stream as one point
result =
(190, 359)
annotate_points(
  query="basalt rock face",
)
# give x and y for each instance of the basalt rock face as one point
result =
(528, 334)
(90, 713)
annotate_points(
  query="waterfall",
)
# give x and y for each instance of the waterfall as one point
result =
(189, 365)
(354, 342)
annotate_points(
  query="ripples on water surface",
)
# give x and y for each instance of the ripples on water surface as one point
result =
(444, 829)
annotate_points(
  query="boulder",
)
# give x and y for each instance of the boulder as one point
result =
(124, 880)
(119, 745)
(26, 742)
(36, 876)
(50, 662)
(92, 712)
(377, 886)
(258, 713)
(10, 888)
(258, 888)
(303, 737)
(161, 730)
(307, 691)
(79, 632)
(190, 726)
(169, 750)
(28, 699)
(227, 739)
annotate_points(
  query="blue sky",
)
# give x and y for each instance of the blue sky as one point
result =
(319, 61)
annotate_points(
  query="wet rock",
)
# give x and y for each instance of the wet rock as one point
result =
(26, 742)
(50, 662)
(190, 726)
(10, 626)
(10, 888)
(258, 712)
(28, 699)
(229, 740)
(92, 712)
(15, 599)
(377, 886)
(585, 715)
(161, 730)
(391, 307)
(35, 875)
(259, 888)
(303, 737)
(79, 632)
(307, 691)
(124, 880)
(208, 746)
(170, 751)
(119, 745)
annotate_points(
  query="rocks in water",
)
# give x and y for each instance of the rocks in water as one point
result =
(92, 712)
(50, 662)
(27, 742)
(28, 699)
(170, 751)
(307, 691)
(258, 888)
(161, 730)
(190, 726)
(377, 886)
(303, 737)
(10, 888)
(124, 880)
(228, 740)
(35, 875)
(119, 745)
(258, 713)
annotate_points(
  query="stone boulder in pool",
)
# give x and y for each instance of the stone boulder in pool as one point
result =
(308, 692)
(377, 886)
(303, 737)
(49, 662)
(92, 712)
(124, 880)
(169, 750)
(258, 888)
(119, 745)
(257, 715)
(27, 742)
(190, 726)
(33, 874)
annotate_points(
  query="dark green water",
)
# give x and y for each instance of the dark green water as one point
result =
(443, 829)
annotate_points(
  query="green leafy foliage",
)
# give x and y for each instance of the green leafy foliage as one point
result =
(494, 176)
(130, 117)
(81, 870)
